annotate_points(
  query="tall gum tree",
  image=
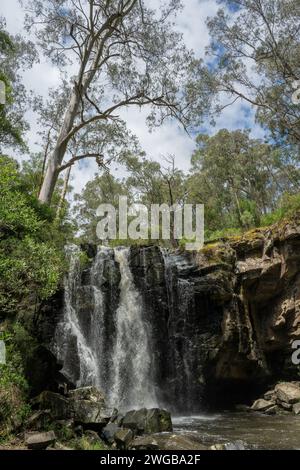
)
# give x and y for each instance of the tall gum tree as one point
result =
(125, 54)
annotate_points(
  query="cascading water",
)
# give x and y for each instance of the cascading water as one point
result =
(70, 342)
(132, 374)
(103, 339)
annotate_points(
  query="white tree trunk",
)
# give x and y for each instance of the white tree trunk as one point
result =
(57, 156)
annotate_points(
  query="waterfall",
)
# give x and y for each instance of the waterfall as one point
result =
(70, 342)
(103, 339)
(132, 384)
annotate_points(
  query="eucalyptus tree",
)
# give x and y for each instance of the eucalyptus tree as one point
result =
(239, 179)
(256, 50)
(15, 55)
(114, 54)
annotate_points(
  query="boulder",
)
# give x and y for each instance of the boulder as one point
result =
(286, 406)
(296, 408)
(87, 393)
(89, 412)
(262, 405)
(40, 440)
(59, 406)
(144, 443)
(146, 421)
(123, 438)
(270, 395)
(108, 433)
(273, 410)
(288, 392)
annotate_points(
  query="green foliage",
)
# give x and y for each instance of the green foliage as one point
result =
(14, 388)
(289, 206)
(84, 443)
(15, 54)
(240, 180)
(30, 261)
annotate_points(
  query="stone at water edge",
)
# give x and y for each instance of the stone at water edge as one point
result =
(238, 445)
(40, 440)
(286, 406)
(88, 393)
(288, 392)
(144, 443)
(148, 421)
(273, 410)
(123, 438)
(296, 408)
(262, 405)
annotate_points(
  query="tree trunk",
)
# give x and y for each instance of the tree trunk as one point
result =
(57, 156)
(63, 194)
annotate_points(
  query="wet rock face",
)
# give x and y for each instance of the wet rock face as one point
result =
(223, 320)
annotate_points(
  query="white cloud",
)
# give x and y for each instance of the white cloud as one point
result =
(170, 138)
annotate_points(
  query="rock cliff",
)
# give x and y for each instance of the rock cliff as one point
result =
(223, 320)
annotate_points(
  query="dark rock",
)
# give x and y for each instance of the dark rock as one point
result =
(167, 441)
(123, 438)
(146, 421)
(87, 393)
(39, 441)
(108, 433)
(91, 414)
(286, 406)
(144, 443)
(38, 420)
(273, 410)
(59, 406)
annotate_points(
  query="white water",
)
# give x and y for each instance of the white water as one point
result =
(70, 327)
(132, 384)
(124, 370)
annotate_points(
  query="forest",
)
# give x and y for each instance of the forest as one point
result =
(112, 56)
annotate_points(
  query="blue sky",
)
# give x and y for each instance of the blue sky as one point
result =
(170, 138)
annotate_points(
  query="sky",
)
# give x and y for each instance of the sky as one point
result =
(169, 138)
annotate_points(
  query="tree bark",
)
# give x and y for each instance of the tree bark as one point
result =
(56, 158)
(64, 193)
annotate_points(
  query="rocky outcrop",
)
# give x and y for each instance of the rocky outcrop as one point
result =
(284, 398)
(84, 411)
(231, 313)
(223, 320)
